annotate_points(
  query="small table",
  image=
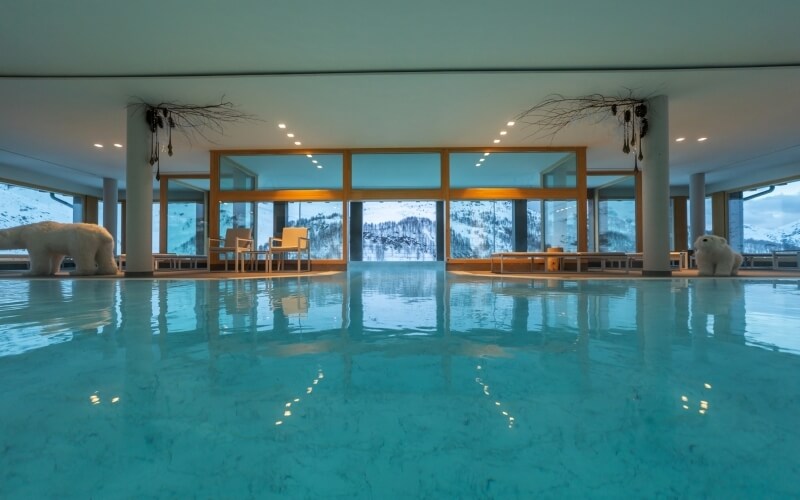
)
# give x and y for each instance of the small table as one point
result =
(251, 256)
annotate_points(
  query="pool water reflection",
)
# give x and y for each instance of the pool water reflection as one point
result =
(384, 382)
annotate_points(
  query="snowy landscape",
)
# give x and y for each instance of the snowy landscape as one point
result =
(764, 240)
(406, 231)
(399, 231)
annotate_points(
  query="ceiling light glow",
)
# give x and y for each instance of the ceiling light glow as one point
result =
(680, 139)
(510, 124)
(97, 145)
(503, 132)
(281, 125)
(701, 139)
(297, 143)
(290, 134)
(117, 145)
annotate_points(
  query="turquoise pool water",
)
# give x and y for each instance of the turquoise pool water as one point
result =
(391, 383)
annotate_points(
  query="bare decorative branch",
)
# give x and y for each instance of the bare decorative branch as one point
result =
(189, 119)
(557, 112)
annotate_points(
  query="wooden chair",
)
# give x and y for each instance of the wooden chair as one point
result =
(292, 240)
(237, 241)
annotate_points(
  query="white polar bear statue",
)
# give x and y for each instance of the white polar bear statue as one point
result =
(715, 257)
(90, 246)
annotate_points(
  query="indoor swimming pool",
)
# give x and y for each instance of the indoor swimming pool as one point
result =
(400, 382)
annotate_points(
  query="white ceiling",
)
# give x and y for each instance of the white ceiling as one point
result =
(364, 73)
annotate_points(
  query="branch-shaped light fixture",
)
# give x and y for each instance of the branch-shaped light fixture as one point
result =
(557, 112)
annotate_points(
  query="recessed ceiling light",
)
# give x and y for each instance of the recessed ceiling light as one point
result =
(281, 125)
(290, 134)
(680, 139)
(98, 145)
(496, 141)
(701, 139)
(510, 124)
(503, 132)
(117, 145)
(297, 143)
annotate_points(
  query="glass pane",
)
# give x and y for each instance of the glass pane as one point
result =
(535, 239)
(590, 225)
(324, 222)
(616, 214)
(480, 228)
(233, 176)
(156, 225)
(523, 170)
(561, 224)
(771, 218)
(234, 214)
(185, 228)
(290, 171)
(396, 171)
(399, 231)
(265, 224)
(617, 221)
(21, 205)
(185, 218)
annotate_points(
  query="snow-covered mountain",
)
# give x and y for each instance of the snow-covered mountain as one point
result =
(760, 240)
(20, 205)
(399, 231)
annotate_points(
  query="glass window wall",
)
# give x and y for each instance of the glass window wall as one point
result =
(156, 228)
(235, 215)
(274, 171)
(399, 231)
(513, 170)
(186, 217)
(561, 224)
(480, 228)
(611, 215)
(535, 239)
(21, 205)
(396, 171)
(324, 222)
(768, 218)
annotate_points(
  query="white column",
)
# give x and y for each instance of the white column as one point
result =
(110, 199)
(697, 206)
(655, 190)
(138, 196)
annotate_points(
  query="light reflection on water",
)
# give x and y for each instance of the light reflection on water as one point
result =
(415, 383)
